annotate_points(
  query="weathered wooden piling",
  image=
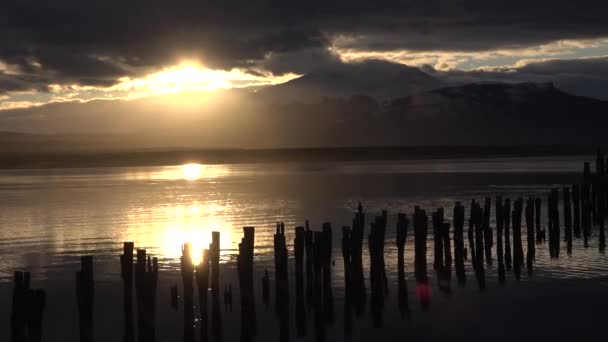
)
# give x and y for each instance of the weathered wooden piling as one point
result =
(146, 279)
(299, 248)
(359, 295)
(488, 235)
(499, 239)
(326, 250)
(126, 271)
(402, 227)
(540, 233)
(531, 242)
(27, 309)
(554, 226)
(245, 272)
(319, 317)
(567, 219)
(346, 257)
(477, 218)
(576, 210)
(459, 243)
(281, 281)
(507, 227)
(85, 294)
(214, 256)
(421, 226)
(308, 245)
(202, 284)
(377, 274)
(518, 252)
(187, 272)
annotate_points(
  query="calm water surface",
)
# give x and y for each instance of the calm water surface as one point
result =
(50, 217)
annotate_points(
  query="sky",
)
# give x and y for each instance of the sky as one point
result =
(78, 51)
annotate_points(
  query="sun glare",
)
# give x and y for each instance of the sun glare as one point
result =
(192, 171)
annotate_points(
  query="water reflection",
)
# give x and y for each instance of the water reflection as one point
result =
(183, 224)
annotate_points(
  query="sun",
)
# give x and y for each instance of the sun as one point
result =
(192, 171)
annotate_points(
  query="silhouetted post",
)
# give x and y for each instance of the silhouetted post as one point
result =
(187, 269)
(488, 235)
(531, 255)
(554, 227)
(586, 213)
(478, 219)
(537, 213)
(499, 237)
(299, 246)
(459, 243)
(245, 271)
(281, 281)
(577, 210)
(507, 226)
(358, 280)
(319, 317)
(377, 271)
(308, 243)
(328, 298)
(567, 219)
(421, 224)
(437, 219)
(471, 235)
(85, 293)
(266, 288)
(402, 226)
(126, 268)
(146, 279)
(346, 256)
(214, 251)
(202, 283)
(518, 254)
(27, 308)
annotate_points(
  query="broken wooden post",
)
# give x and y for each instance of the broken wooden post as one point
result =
(299, 247)
(507, 225)
(421, 225)
(214, 251)
(577, 210)
(499, 239)
(518, 252)
(187, 271)
(146, 279)
(488, 235)
(567, 220)
(458, 233)
(245, 272)
(281, 281)
(85, 293)
(402, 226)
(531, 255)
(126, 270)
(202, 284)
(359, 295)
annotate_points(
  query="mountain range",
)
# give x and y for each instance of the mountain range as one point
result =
(363, 104)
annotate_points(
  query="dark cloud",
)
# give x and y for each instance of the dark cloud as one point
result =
(95, 42)
(585, 76)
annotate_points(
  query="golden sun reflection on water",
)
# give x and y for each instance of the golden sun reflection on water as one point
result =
(186, 224)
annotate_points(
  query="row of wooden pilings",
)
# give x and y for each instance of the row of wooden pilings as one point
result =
(583, 206)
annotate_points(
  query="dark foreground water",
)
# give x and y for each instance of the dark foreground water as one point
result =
(49, 218)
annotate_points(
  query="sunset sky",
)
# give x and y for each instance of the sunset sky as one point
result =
(68, 50)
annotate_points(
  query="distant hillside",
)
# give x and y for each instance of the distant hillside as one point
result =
(378, 79)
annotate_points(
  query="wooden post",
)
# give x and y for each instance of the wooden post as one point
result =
(459, 243)
(187, 269)
(85, 293)
(359, 295)
(146, 279)
(531, 256)
(499, 212)
(488, 235)
(214, 251)
(245, 271)
(421, 224)
(577, 210)
(27, 308)
(507, 224)
(126, 268)
(281, 281)
(402, 226)
(518, 252)
(299, 247)
(202, 283)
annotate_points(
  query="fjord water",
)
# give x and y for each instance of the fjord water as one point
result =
(50, 217)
